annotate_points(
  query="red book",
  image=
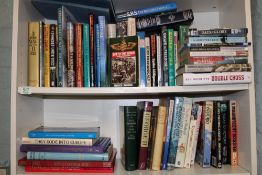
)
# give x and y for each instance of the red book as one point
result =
(79, 56)
(92, 54)
(68, 163)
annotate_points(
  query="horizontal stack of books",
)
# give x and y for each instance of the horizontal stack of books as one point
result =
(215, 56)
(177, 133)
(77, 150)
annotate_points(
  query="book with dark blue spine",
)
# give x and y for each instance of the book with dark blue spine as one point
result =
(86, 55)
(147, 11)
(142, 58)
(97, 56)
(103, 52)
(59, 132)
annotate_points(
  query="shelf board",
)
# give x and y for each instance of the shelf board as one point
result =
(194, 170)
(127, 91)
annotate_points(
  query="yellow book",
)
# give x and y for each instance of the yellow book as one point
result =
(33, 54)
(158, 145)
(47, 55)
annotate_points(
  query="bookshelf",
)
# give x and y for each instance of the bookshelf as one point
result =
(31, 107)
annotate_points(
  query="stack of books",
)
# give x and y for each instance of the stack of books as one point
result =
(75, 150)
(177, 133)
(215, 56)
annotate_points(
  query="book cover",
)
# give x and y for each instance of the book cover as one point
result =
(78, 55)
(214, 78)
(53, 55)
(216, 39)
(70, 156)
(165, 18)
(92, 50)
(71, 54)
(159, 61)
(100, 146)
(47, 55)
(224, 131)
(220, 32)
(97, 56)
(233, 132)
(147, 11)
(142, 59)
(146, 111)
(153, 59)
(86, 55)
(148, 62)
(68, 163)
(171, 61)
(165, 55)
(123, 61)
(60, 132)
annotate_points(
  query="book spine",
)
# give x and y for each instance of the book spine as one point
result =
(78, 55)
(47, 55)
(33, 54)
(183, 132)
(92, 54)
(232, 68)
(97, 56)
(53, 55)
(221, 32)
(233, 132)
(164, 19)
(157, 154)
(71, 54)
(217, 40)
(68, 169)
(179, 101)
(41, 55)
(72, 135)
(111, 30)
(183, 31)
(242, 53)
(171, 63)
(175, 54)
(148, 62)
(165, 55)
(121, 28)
(103, 50)
(159, 61)
(131, 26)
(214, 78)
(147, 11)
(86, 55)
(153, 55)
(197, 68)
(216, 148)
(147, 113)
(142, 59)
(224, 132)
(167, 134)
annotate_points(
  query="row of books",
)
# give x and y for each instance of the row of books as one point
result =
(177, 133)
(78, 150)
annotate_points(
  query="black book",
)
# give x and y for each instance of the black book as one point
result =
(224, 109)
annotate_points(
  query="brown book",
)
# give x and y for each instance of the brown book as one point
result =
(79, 56)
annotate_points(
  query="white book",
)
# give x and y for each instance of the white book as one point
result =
(131, 26)
(214, 78)
(111, 30)
(183, 132)
(148, 62)
(234, 53)
(159, 61)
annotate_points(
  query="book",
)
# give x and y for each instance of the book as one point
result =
(147, 11)
(216, 39)
(100, 146)
(92, 50)
(214, 78)
(148, 62)
(153, 59)
(53, 54)
(70, 156)
(34, 35)
(158, 144)
(71, 53)
(165, 18)
(146, 110)
(58, 141)
(128, 137)
(142, 59)
(165, 55)
(224, 110)
(131, 26)
(78, 55)
(159, 60)
(97, 56)
(64, 16)
(47, 55)
(86, 54)
(111, 30)
(220, 32)
(121, 28)
(63, 132)
(233, 132)
(68, 163)
(170, 59)
(238, 53)
(123, 56)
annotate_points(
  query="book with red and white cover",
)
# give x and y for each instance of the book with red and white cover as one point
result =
(214, 78)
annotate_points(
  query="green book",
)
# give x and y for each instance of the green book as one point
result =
(86, 55)
(183, 30)
(128, 137)
(170, 57)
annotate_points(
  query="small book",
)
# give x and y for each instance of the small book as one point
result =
(59, 132)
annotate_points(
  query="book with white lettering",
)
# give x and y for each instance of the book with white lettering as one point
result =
(214, 78)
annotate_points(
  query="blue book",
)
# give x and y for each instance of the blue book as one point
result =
(103, 46)
(178, 107)
(97, 56)
(86, 55)
(59, 132)
(142, 58)
(70, 156)
(147, 11)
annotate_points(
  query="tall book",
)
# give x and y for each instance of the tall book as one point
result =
(224, 131)
(159, 61)
(78, 55)
(158, 145)
(146, 110)
(131, 26)
(53, 55)
(97, 56)
(171, 63)
(148, 62)
(153, 55)
(86, 55)
(92, 50)
(128, 136)
(71, 54)
(123, 61)
(64, 16)
(142, 59)
(47, 55)
(165, 55)
(233, 132)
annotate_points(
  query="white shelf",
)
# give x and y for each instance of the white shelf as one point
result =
(105, 91)
(194, 170)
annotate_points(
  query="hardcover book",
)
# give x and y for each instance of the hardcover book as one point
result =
(86, 55)
(224, 132)
(47, 55)
(220, 32)
(57, 132)
(233, 133)
(123, 62)
(53, 55)
(71, 54)
(142, 59)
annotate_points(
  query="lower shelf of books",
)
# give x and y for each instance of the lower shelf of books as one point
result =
(194, 170)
